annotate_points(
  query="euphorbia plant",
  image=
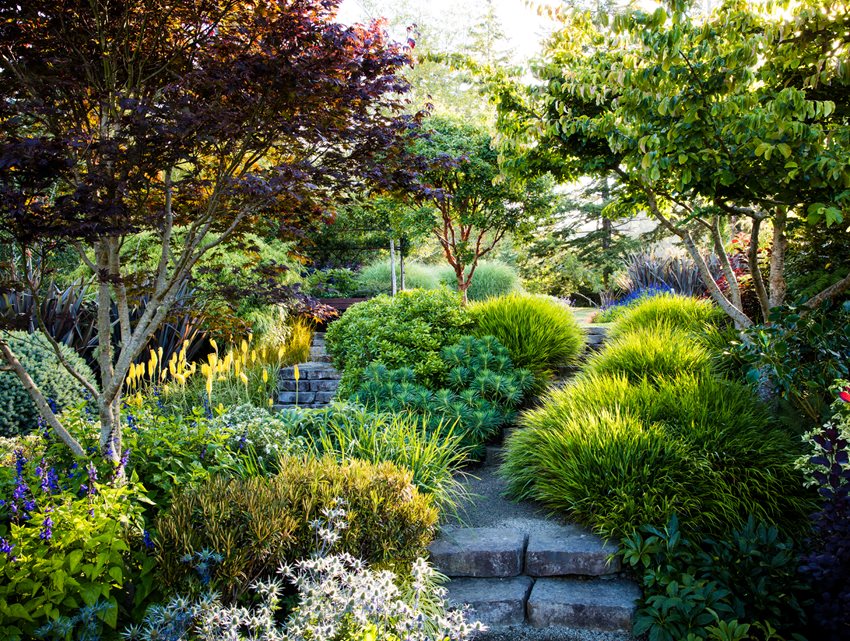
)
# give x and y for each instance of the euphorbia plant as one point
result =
(194, 122)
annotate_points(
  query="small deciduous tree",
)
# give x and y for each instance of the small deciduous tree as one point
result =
(195, 121)
(475, 204)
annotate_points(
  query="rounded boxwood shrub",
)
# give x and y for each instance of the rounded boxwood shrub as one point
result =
(657, 351)
(539, 332)
(407, 330)
(684, 313)
(254, 524)
(18, 413)
(492, 278)
(616, 455)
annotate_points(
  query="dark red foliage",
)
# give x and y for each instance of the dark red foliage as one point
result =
(259, 106)
(826, 565)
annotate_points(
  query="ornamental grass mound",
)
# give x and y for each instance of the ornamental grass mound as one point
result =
(660, 351)
(540, 333)
(684, 313)
(615, 454)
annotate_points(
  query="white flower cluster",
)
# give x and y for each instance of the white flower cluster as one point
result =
(339, 597)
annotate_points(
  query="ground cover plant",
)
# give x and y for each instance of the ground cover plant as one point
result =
(539, 333)
(477, 395)
(407, 330)
(746, 586)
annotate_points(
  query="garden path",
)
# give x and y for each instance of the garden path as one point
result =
(526, 574)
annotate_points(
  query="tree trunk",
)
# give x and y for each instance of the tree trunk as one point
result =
(778, 287)
(401, 262)
(392, 265)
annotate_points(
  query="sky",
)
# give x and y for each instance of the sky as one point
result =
(523, 27)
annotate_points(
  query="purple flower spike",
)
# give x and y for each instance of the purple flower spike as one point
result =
(47, 529)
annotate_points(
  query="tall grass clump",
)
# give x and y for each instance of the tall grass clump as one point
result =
(539, 333)
(616, 454)
(658, 351)
(684, 313)
(434, 455)
(377, 278)
(491, 279)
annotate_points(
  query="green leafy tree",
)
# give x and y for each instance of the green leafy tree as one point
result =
(742, 114)
(474, 203)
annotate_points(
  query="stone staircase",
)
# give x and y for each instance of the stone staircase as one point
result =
(560, 582)
(318, 380)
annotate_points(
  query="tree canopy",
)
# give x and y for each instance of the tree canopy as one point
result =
(211, 118)
(741, 113)
(474, 203)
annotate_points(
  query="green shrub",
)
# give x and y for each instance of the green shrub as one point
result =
(479, 394)
(18, 413)
(407, 330)
(540, 333)
(694, 590)
(350, 431)
(79, 558)
(668, 310)
(655, 352)
(257, 523)
(491, 279)
(332, 283)
(616, 455)
(377, 277)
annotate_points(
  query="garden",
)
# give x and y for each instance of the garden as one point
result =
(277, 279)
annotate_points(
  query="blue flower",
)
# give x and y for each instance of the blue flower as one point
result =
(46, 529)
(147, 541)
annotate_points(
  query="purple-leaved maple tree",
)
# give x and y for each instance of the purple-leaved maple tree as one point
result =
(193, 120)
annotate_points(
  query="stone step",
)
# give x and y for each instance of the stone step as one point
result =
(494, 602)
(596, 604)
(310, 371)
(310, 385)
(303, 397)
(479, 552)
(568, 551)
(320, 358)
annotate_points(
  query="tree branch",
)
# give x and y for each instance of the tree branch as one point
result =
(39, 400)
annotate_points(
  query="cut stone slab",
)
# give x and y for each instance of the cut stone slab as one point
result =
(569, 551)
(301, 398)
(494, 602)
(318, 385)
(324, 397)
(597, 604)
(479, 552)
(311, 371)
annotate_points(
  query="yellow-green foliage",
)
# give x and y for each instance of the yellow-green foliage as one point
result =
(616, 454)
(258, 522)
(18, 413)
(684, 313)
(656, 351)
(540, 333)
